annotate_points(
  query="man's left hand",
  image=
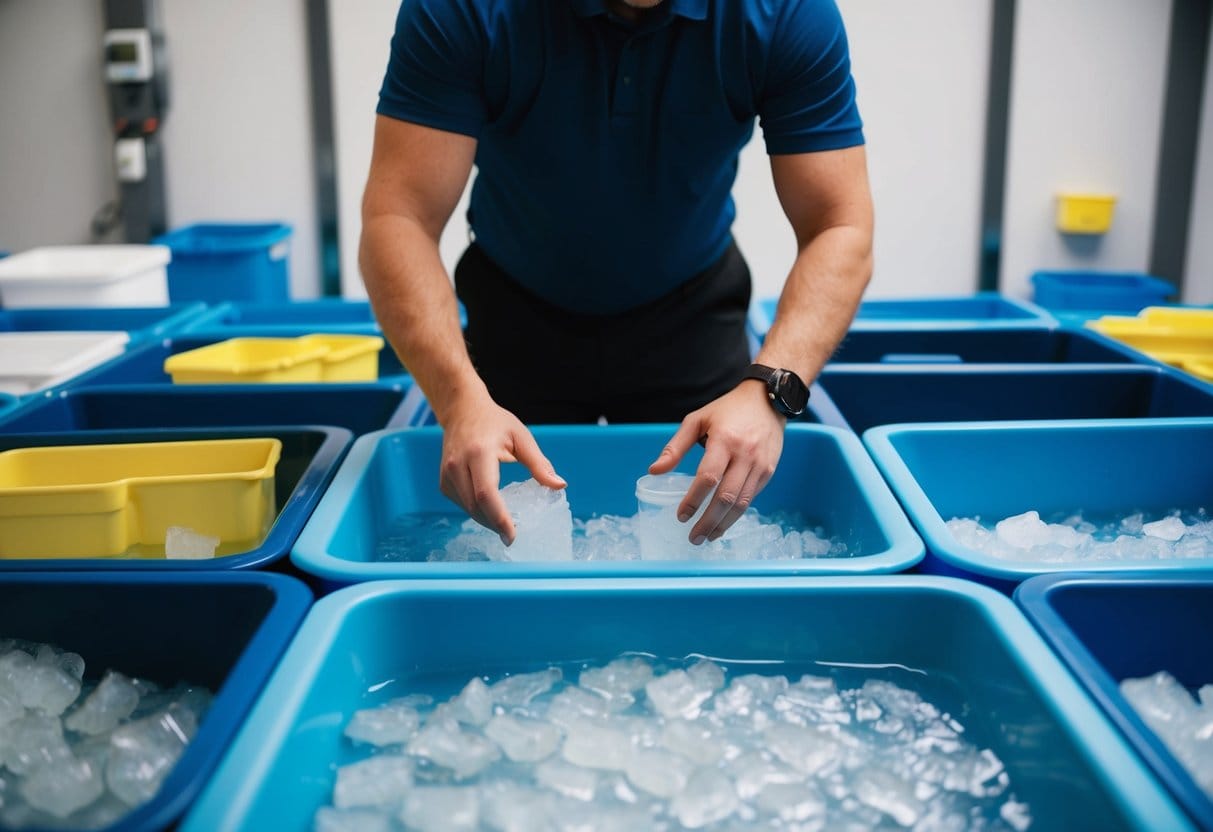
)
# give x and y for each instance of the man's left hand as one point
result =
(744, 439)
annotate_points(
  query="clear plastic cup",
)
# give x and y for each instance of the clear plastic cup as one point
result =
(660, 534)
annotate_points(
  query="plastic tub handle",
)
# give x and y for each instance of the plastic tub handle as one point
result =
(921, 358)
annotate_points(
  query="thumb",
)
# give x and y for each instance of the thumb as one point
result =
(684, 439)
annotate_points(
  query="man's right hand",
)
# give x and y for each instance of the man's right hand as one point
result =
(479, 435)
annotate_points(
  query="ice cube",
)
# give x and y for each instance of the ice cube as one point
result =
(110, 702)
(509, 807)
(1169, 528)
(543, 523)
(618, 680)
(1023, 531)
(381, 781)
(659, 772)
(328, 819)
(442, 809)
(677, 695)
(10, 707)
(567, 779)
(181, 543)
(791, 802)
(474, 704)
(707, 798)
(752, 772)
(693, 740)
(390, 724)
(144, 752)
(32, 741)
(889, 794)
(747, 692)
(806, 749)
(573, 704)
(596, 746)
(523, 740)
(63, 787)
(521, 688)
(43, 684)
(706, 675)
(444, 744)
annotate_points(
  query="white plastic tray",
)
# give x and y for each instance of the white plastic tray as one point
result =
(32, 361)
(58, 276)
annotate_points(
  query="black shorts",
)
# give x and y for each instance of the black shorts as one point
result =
(655, 363)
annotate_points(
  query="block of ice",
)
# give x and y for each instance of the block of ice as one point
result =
(381, 781)
(658, 772)
(63, 787)
(748, 692)
(1169, 528)
(889, 794)
(391, 724)
(521, 688)
(567, 779)
(706, 675)
(444, 744)
(677, 695)
(708, 797)
(328, 819)
(442, 809)
(791, 802)
(753, 771)
(596, 746)
(10, 706)
(144, 752)
(32, 741)
(181, 543)
(110, 702)
(509, 807)
(694, 740)
(474, 704)
(523, 740)
(806, 749)
(574, 704)
(617, 681)
(543, 522)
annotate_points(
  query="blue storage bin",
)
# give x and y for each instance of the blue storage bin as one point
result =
(140, 322)
(309, 460)
(982, 345)
(824, 474)
(1064, 758)
(1000, 469)
(7, 404)
(1112, 291)
(222, 630)
(864, 397)
(145, 364)
(1110, 629)
(216, 262)
(989, 309)
(358, 409)
(326, 315)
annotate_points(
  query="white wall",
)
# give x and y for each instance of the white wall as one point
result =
(921, 75)
(56, 165)
(1086, 111)
(238, 139)
(1198, 283)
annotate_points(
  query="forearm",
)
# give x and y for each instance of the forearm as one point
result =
(819, 300)
(416, 307)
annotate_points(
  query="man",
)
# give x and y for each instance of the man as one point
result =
(603, 280)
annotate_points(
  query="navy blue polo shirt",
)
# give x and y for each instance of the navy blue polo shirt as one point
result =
(607, 151)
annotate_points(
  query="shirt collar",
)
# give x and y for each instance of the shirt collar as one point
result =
(691, 9)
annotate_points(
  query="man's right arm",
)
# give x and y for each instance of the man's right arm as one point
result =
(417, 175)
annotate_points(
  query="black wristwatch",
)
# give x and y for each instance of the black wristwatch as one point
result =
(788, 394)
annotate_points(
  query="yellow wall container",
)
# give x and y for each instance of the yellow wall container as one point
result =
(1084, 213)
(349, 357)
(1202, 368)
(1180, 317)
(101, 500)
(1152, 338)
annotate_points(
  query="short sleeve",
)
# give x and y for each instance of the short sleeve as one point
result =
(808, 98)
(435, 71)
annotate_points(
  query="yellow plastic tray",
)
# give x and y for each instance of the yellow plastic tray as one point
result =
(1085, 213)
(309, 358)
(1150, 337)
(1202, 368)
(1180, 317)
(102, 500)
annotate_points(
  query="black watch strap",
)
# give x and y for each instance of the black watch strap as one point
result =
(789, 394)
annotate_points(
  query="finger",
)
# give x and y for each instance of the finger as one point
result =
(745, 498)
(485, 474)
(526, 450)
(707, 477)
(684, 439)
(728, 493)
(455, 482)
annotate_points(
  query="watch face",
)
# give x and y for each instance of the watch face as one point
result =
(792, 393)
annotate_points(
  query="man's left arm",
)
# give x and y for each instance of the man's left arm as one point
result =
(826, 197)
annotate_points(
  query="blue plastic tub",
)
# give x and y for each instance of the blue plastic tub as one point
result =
(139, 321)
(145, 364)
(357, 409)
(994, 470)
(327, 315)
(865, 397)
(222, 630)
(1114, 291)
(1064, 758)
(1110, 629)
(309, 460)
(989, 309)
(982, 345)
(7, 404)
(824, 473)
(216, 262)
